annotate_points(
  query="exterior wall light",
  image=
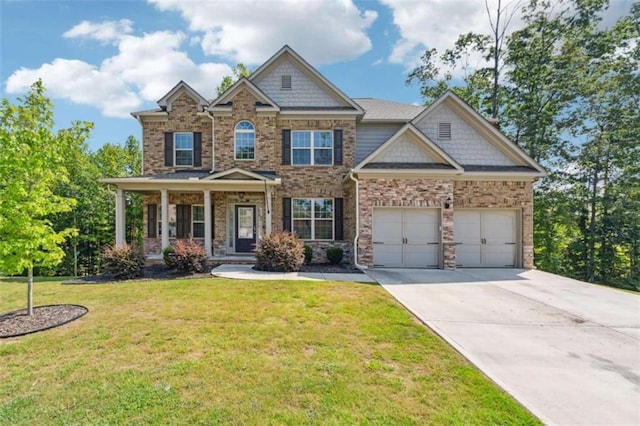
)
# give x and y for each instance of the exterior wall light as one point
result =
(447, 203)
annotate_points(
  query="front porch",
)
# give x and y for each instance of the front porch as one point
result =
(226, 212)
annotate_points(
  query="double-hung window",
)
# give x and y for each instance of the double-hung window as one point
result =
(197, 221)
(313, 218)
(245, 136)
(183, 143)
(312, 148)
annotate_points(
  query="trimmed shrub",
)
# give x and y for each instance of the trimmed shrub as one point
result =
(279, 252)
(167, 256)
(187, 257)
(334, 254)
(123, 263)
(308, 254)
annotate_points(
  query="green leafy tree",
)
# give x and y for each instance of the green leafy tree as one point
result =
(93, 213)
(568, 94)
(239, 71)
(32, 163)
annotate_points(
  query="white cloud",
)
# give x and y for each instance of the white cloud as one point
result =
(107, 31)
(144, 69)
(250, 31)
(437, 24)
(80, 83)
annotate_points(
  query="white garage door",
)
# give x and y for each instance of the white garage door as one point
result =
(407, 238)
(485, 238)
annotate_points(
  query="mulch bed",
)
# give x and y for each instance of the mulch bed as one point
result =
(329, 268)
(151, 272)
(162, 272)
(18, 323)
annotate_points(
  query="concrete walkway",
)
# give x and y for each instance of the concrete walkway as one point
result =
(245, 272)
(567, 350)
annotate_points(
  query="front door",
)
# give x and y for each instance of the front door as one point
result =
(245, 229)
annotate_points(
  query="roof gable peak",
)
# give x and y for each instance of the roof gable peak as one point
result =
(182, 86)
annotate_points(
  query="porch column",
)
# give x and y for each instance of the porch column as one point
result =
(164, 200)
(120, 218)
(268, 206)
(207, 222)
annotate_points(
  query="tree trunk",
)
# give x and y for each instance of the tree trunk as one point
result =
(30, 291)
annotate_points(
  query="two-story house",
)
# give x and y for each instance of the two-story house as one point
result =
(394, 185)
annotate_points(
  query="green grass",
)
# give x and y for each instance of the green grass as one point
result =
(215, 351)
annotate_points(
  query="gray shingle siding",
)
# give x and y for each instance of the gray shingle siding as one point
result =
(304, 91)
(370, 136)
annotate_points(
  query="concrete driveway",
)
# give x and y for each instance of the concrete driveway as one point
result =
(567, 350)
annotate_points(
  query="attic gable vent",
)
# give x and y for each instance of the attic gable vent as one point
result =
(286, 82)
(444, 130)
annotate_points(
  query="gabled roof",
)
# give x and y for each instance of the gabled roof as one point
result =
(165, 101)
(387, 111)
(288, 52)
(240, 174)
(424, 142)
(473, 118)
(244, 83)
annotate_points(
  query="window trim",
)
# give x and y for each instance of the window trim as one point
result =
(313, 148)
(313, 219)
(176, 149)
(193, 221)
(235, 141)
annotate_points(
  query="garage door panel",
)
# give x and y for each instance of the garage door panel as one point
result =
(421, 256)
(387, 255)
(387, 226)
(468, 256)
(420, 226)
(466, 227)
(499, 227)
(485, 238)
(499, 256)
(406, 237)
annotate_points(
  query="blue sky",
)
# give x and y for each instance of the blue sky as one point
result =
(101, 60)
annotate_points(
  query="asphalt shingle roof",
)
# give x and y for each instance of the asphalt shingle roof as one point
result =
(378, 109)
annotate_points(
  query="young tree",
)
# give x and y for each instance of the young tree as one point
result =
(32, 162)
(239, 71)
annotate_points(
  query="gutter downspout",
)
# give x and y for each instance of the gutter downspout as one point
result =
(213, 141)
(355, 240)
(137, 117)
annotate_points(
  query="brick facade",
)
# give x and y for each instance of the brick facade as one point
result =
(408, 192)
(516, 195)
(181, 118)
(432, 193)
(328, 181)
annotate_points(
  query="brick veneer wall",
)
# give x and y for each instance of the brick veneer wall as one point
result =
(393, 192)
(181, 118)
(501, 194)
(432, 193)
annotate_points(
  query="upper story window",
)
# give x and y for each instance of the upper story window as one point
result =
(444, 131)
(183, 149)
(245, 135)
(183, 145)
(312, 148)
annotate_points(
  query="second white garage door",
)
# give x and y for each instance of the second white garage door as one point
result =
(406, 237)
(485, 238)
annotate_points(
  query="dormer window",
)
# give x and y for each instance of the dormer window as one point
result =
(444, 131)
(286, 82)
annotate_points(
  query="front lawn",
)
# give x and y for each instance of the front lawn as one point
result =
(238, 352)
